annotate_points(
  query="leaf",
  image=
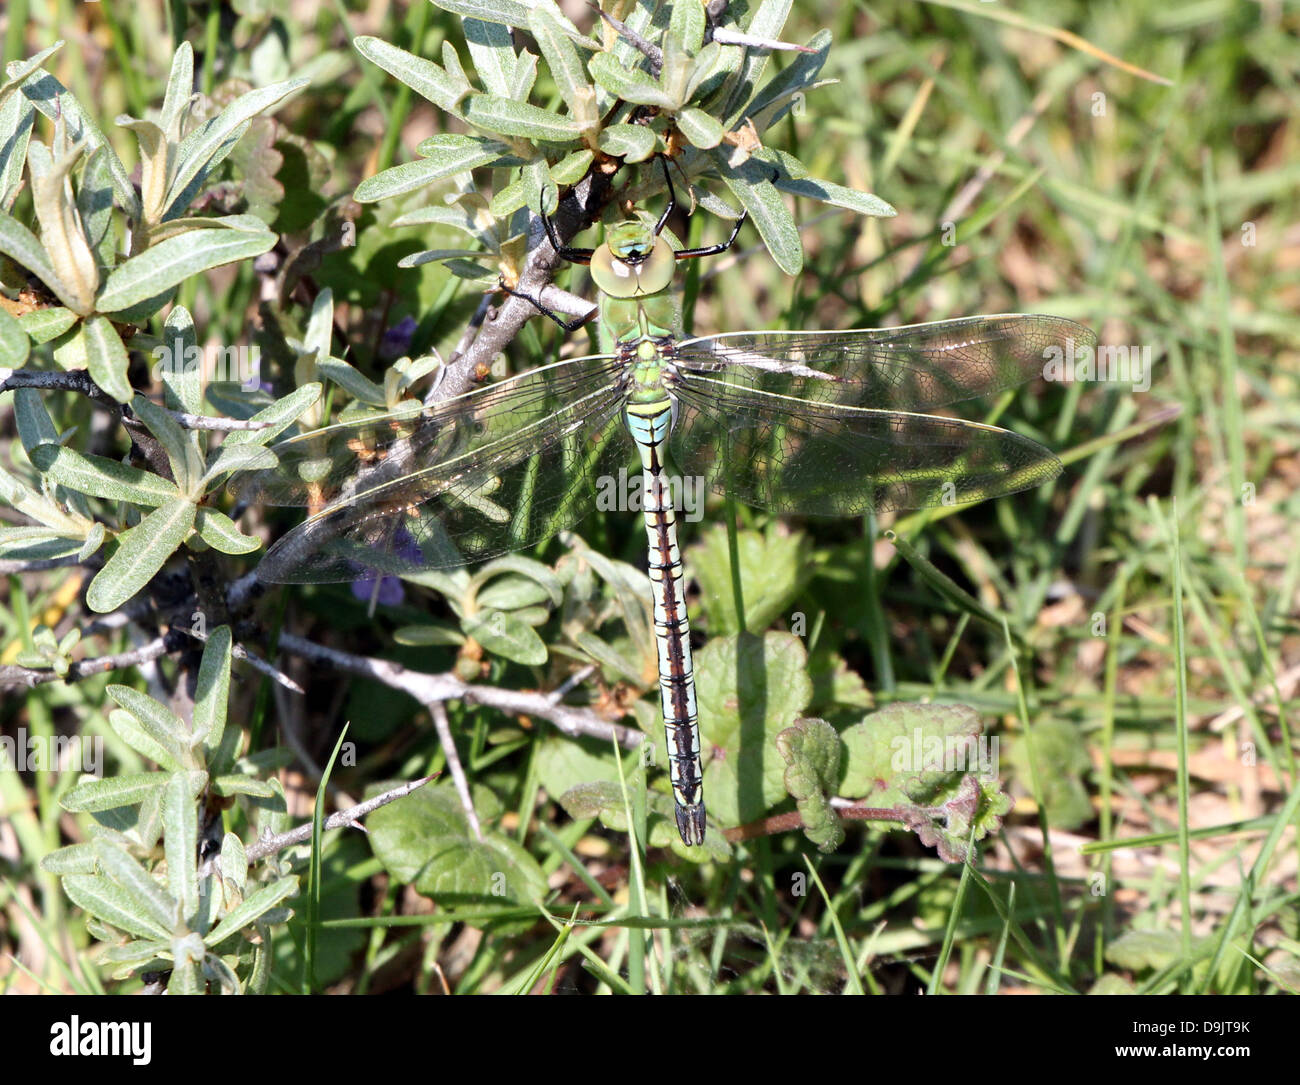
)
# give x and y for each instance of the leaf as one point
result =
(700, 129)
(130, 731)
(221, 533)
(113, 792)
(775, 566)
(182, 383)
(42, 325)
(749, 689)
(141, 552)
(497, 114)
(252, 908)
(175, 259)
(212, 691)
(629, 84)
(157, 721)
(14, 343)
(811, 750)
(180, 818)
(422, 76)
(864, 203)
(97, 476)
(558, 49)
(509, 12)
(751, 184)
(932, 763)
(493, 50)
(17, 118)
(631, 142)
(111, 903)
(22, 246)
(205, 148)
(106, 358)
(424, 840)
(180, 444)
(54, 100)
(448, 154)
(505, 635)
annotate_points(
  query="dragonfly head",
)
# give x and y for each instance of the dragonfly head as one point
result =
(633, 261)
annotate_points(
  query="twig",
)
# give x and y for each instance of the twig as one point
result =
(430, 689)
(269, 845)
(15, 677)
(220, 425)
(443, 726)
(238, 651)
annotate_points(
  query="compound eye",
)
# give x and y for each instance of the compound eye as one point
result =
(613, 276)
(656, 271)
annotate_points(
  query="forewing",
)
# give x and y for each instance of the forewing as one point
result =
(916, 368)
(495, 470)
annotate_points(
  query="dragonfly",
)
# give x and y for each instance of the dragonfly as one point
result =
(820, 423)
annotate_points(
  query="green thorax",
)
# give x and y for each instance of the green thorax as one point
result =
(633, 270)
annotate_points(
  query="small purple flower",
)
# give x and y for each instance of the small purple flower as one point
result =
(390, 593)
(396, 340)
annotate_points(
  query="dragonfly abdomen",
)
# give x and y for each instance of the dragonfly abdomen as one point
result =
(649, 425)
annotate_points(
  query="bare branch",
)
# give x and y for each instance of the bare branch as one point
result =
(15, 677)
(269, 845)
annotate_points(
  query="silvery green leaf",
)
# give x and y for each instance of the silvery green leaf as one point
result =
(434, 256)
(160, 724)
(279, 416)
(221, 533)
(801, 73)
(170, 262)
(22, 246)
(446, 155)
(505, 635)
(99, 897)
(16, 71)
(701, 129)
(17, 116)
(351, 381)
(473, 273)
(318, 336)
(212, 691)
(35, 426)
(572, 168)
(106, 358)
(97, 476)
(180, 444)
(497, 114)
(767, 21)
(686, 24)
(180, 818)
(629, 84)
(14, 343)
(630, 142)
(255, 905)
(95, 205)
(509, 199)
(525, 77)
(180, 88)
(493, 51)
(750, 183)
(112, 792)
(422, 76)
(206, 147)
(94, 540)
(182, 382)
(141, 552)
(558, 49)
(837, 195)
(438, 216)
(509, 12)
(543, 197)
(148, 897)
(54, 100)
(42, 325)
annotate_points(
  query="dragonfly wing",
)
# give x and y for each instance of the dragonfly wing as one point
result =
(819, 459)
(915, 368)
(492, 471)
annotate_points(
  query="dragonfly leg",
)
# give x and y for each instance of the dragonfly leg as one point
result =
(568, 325)
(707, 250)
(565, 252)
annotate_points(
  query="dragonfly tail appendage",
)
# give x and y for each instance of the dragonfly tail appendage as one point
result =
(690, 823)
